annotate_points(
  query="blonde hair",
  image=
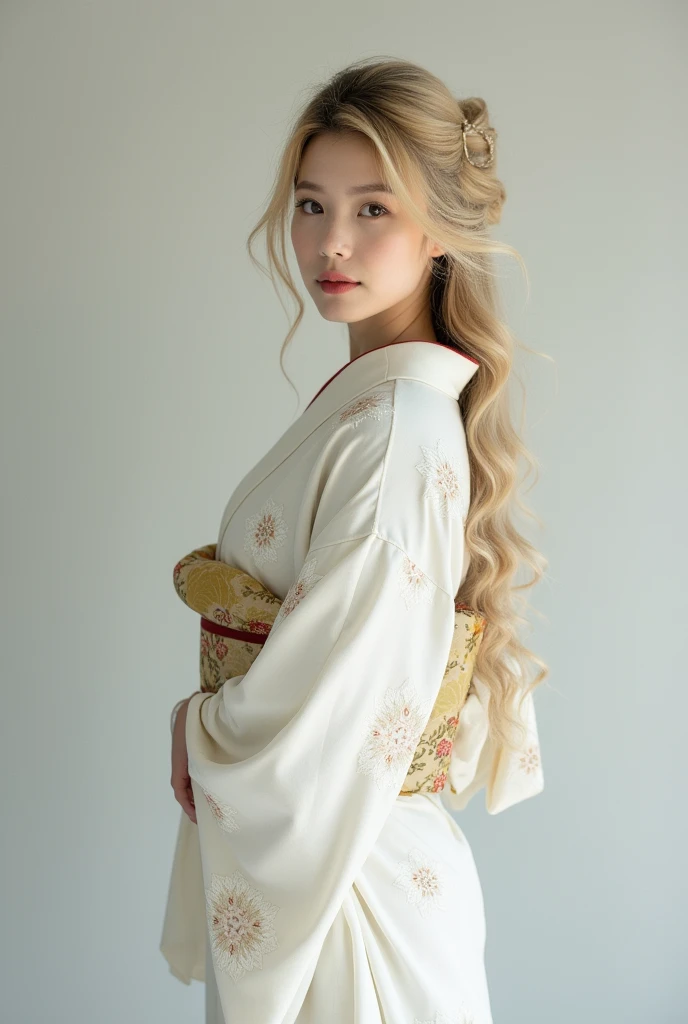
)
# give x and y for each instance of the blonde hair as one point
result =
(414, 124)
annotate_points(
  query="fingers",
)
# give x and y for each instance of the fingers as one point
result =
(184, 795)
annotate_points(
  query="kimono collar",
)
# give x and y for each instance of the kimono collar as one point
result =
(431, 362)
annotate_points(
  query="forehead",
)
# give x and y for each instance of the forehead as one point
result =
(343, 163)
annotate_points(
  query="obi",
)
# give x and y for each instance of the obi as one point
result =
(237, 613)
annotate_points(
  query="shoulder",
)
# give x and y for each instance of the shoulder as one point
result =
(395, 463)
(425, 493)
(393, 417)
(427, 437)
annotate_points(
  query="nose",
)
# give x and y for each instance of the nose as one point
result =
(333, 241)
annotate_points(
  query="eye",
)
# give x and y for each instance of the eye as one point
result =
(379, 206)
(302, 202)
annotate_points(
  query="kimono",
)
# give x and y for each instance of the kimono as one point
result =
(329, 895)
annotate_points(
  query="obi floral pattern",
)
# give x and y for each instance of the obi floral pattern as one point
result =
(429, 767)
(196, 560)
(238, 613)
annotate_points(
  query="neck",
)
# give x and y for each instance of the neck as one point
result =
(421, 331)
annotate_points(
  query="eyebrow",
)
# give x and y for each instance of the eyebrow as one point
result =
(376, 186)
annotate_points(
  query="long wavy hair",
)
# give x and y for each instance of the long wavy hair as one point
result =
(414, 123)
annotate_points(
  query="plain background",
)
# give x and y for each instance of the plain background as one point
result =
(140, 381)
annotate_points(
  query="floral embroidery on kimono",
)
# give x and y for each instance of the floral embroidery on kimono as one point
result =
(526, 761)
(415, 586)
(420, 879)
(529, 760)
(393, 733)
(442, 476)
(305, 581)
(371, 406)
(265, 532)
(224, 814)
(240, 922)
(462, 1017)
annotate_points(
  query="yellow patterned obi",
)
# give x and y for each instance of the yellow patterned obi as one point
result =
(237, 613)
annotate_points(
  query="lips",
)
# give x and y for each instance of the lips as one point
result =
(337, 287)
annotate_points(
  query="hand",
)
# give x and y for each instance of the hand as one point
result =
(180, 780)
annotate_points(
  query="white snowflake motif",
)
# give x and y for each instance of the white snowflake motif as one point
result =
(392, 736)
(416, 587)
(240, 923)
(528, 761)
(463, 1017)
(442, 476)
(525, 761)
(265, 532)
(305, 581)
(419, 877)
(374, 405)
(224, 814)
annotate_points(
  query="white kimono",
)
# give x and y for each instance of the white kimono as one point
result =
(329, 897)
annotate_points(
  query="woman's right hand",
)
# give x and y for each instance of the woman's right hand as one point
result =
(181, 780)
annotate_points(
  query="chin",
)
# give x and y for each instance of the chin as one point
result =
(334, 319)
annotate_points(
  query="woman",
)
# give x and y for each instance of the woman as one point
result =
(331, 897)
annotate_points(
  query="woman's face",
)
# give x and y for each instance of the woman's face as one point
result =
(363, 234)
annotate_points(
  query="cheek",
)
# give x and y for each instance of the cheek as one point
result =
(296, 239)
(394, 257)
(301, 241)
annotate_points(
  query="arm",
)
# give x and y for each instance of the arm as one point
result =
(296, 764)
(179, 779)
(477, 762)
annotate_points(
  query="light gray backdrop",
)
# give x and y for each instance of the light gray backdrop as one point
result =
(140, 380)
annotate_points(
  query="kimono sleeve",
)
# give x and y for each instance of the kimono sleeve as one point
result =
(477, 762)
(296, 765)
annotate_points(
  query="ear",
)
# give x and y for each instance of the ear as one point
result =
(435, 250)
